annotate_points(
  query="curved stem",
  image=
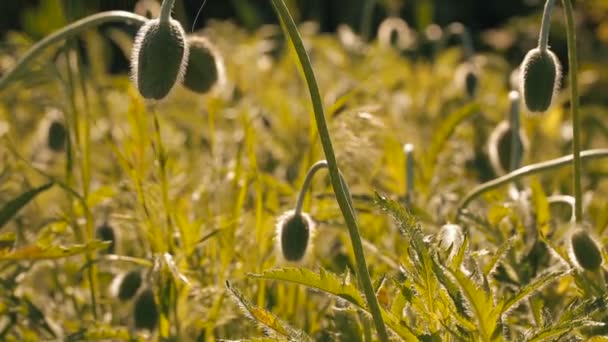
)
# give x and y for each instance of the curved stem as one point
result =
(332, 165)
(516, 142)
(309, 175)
(574, 101)
(527, 171)
(67, 32)
(408, 149)
(543, 37)
(165, 11)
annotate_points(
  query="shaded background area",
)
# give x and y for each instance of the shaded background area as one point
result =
(507, 27)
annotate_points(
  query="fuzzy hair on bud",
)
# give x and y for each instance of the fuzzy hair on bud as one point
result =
(467, 78)
(585, 251)
(499, 147)
(205, 66)
(105, 232)
(540, 79)
(159, 58)
(395, 32)
(294, 236)
(145, 310)
(450, 238)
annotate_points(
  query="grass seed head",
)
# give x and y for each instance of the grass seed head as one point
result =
(129, 284)
(585, 250)
(541, 74)
(205, 66)
(105, 232)
(145, 310)
(159, 58)
(56, 136)
(294, 236)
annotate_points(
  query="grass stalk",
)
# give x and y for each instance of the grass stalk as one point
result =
(574, 104)
(334, 173)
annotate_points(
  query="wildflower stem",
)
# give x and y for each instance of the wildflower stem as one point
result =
(309, 175)
(514, 158)
(165, 11)
(543, 37)
(67, 32)
(334, 173)
(527, 171)
(408, 149)
(574, 103)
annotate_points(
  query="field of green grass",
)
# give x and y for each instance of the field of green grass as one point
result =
(191, 215)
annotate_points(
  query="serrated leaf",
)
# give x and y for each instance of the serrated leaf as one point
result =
(11, 208)
(527, 290)
(36, 252)
(266, 318)
(557, 330)
(481, 305)
(330, 283)
(498, 256)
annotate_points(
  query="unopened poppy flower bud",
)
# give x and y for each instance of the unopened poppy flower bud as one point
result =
(585, 250)
(205, 66)
(145, 310)
(468, 78)
(395, 32)
(159, 58)
(541, 74)
(500, 151)
(129, 284)
(56, 136)
(105, 232)
(294, 235)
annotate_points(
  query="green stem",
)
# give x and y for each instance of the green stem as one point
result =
(408, 149)
(574, 101)
(165, 11)
(543, 37)
(67, 32)
(516, 138)
(527, 171)
(366, 19)
(334, 173)
(309, 175)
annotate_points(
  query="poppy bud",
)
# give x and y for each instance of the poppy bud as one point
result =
(159, 58)
(56, 136)
(294, 235)
(129, 284)
(205, 66)
(145, 310)
(585, 250)
(105, 232)
(499, 148)
(541, 74)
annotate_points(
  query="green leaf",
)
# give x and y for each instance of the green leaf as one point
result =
(266, 318)
(557, 330)
(498, 256)
(481, 306)
(12, 207)
(35, 252)
(527, 290)
(330, 283)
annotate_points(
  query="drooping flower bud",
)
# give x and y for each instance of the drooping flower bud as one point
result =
(500, 151)
(56, 136)
(145, 310)
(294, 235)
(129, 284)
(586, 252)
(159, 58)
(205, 65)
(105, 232)
(541, 74)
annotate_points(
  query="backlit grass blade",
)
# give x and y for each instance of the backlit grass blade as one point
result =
(10, 209)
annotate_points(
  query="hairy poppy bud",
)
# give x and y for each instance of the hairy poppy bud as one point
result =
(468, 78)
(159, 58)
(294, 235)
(57, 136)
(450, 238)
(500, 151)
(394, 32)
(145, 310)
(585, 250)
(205, 66)
(129, 284)
(105, 232)
(541, 74)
